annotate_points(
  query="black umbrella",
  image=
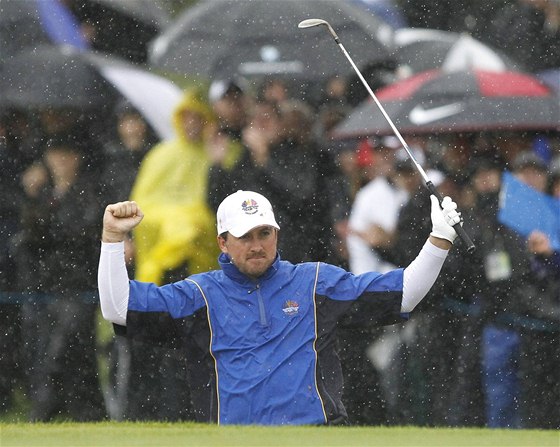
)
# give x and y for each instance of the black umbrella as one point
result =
(437, 101)
(418, 49)
(63, 77)
(120, 27)
(256, 37)
(52, 76)
(19, 27)
(123, 27)
(150, 12)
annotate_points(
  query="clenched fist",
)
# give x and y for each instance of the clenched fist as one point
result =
(119, 219)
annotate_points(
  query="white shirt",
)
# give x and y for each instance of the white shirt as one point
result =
(377, 203)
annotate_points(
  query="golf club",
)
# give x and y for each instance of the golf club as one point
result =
(309, 23)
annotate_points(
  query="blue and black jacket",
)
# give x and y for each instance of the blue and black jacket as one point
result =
(273, 341)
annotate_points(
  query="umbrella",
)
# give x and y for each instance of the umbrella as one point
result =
(22, 19)
(124, 27)
(120, 27)
(417, 50)
(62, 77)
(149, 12)
(255, 37)
(437, 101)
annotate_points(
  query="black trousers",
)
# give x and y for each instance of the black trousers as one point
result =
(60, 362)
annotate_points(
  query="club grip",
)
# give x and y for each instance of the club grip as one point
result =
(457, 227)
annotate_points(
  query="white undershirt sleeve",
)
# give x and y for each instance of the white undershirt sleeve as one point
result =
(421, 274)
(112, 280)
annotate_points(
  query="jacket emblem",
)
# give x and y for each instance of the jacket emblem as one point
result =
(290, 308)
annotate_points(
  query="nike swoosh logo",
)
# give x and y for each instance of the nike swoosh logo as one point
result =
(420, 115)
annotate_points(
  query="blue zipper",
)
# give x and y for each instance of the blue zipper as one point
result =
(262, 311)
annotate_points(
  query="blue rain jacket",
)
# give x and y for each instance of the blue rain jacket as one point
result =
(272, 340)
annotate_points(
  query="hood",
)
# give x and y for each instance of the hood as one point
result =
(193, 100)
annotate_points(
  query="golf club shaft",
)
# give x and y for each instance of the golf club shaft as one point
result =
(429, 185)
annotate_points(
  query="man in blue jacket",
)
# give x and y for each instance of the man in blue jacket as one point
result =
(272, 323)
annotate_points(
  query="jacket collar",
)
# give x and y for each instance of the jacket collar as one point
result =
(232, 272)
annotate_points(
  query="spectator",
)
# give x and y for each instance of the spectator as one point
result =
(274, 90)
(230, 104)
(335, 92)
(12, 163)
(56, 248)
(531, 170)
(539, 320)
(503, 283)
(123, 153)
(172, 181)
(528, 30)
(374, 214)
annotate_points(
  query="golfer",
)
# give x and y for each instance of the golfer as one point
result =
(272, 323)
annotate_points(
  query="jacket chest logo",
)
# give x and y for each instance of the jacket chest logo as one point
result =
(290, 308)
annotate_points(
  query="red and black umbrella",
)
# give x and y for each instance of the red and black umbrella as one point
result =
(437, 101)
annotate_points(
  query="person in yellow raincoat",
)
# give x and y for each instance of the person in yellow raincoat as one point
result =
(172, 187)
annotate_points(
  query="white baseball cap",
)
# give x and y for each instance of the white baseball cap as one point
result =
(242, 211)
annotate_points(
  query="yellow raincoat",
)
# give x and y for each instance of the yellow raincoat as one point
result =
(171, 188)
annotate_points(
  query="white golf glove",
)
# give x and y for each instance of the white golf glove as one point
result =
(444, 219)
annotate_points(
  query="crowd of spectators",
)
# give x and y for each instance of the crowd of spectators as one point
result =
(481, 351)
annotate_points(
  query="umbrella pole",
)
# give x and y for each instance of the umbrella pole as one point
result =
(429, 185)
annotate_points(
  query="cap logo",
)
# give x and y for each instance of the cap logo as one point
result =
(250, 206)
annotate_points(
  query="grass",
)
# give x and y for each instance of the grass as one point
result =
(124, 434)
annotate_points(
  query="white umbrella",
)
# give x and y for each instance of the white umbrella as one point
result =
(63, 77)
(417, 50)
(155, 97)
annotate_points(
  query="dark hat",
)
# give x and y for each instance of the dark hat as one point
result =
(528, 159)
(220, 88)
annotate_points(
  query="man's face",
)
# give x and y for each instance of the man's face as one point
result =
(487, 181)
(193, 124)
(63, 162)
(254, 252)
(231, 111)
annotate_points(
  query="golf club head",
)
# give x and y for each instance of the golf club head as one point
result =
(308, 23)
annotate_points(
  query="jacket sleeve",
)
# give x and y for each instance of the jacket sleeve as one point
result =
(162, 315)
(380, 293)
